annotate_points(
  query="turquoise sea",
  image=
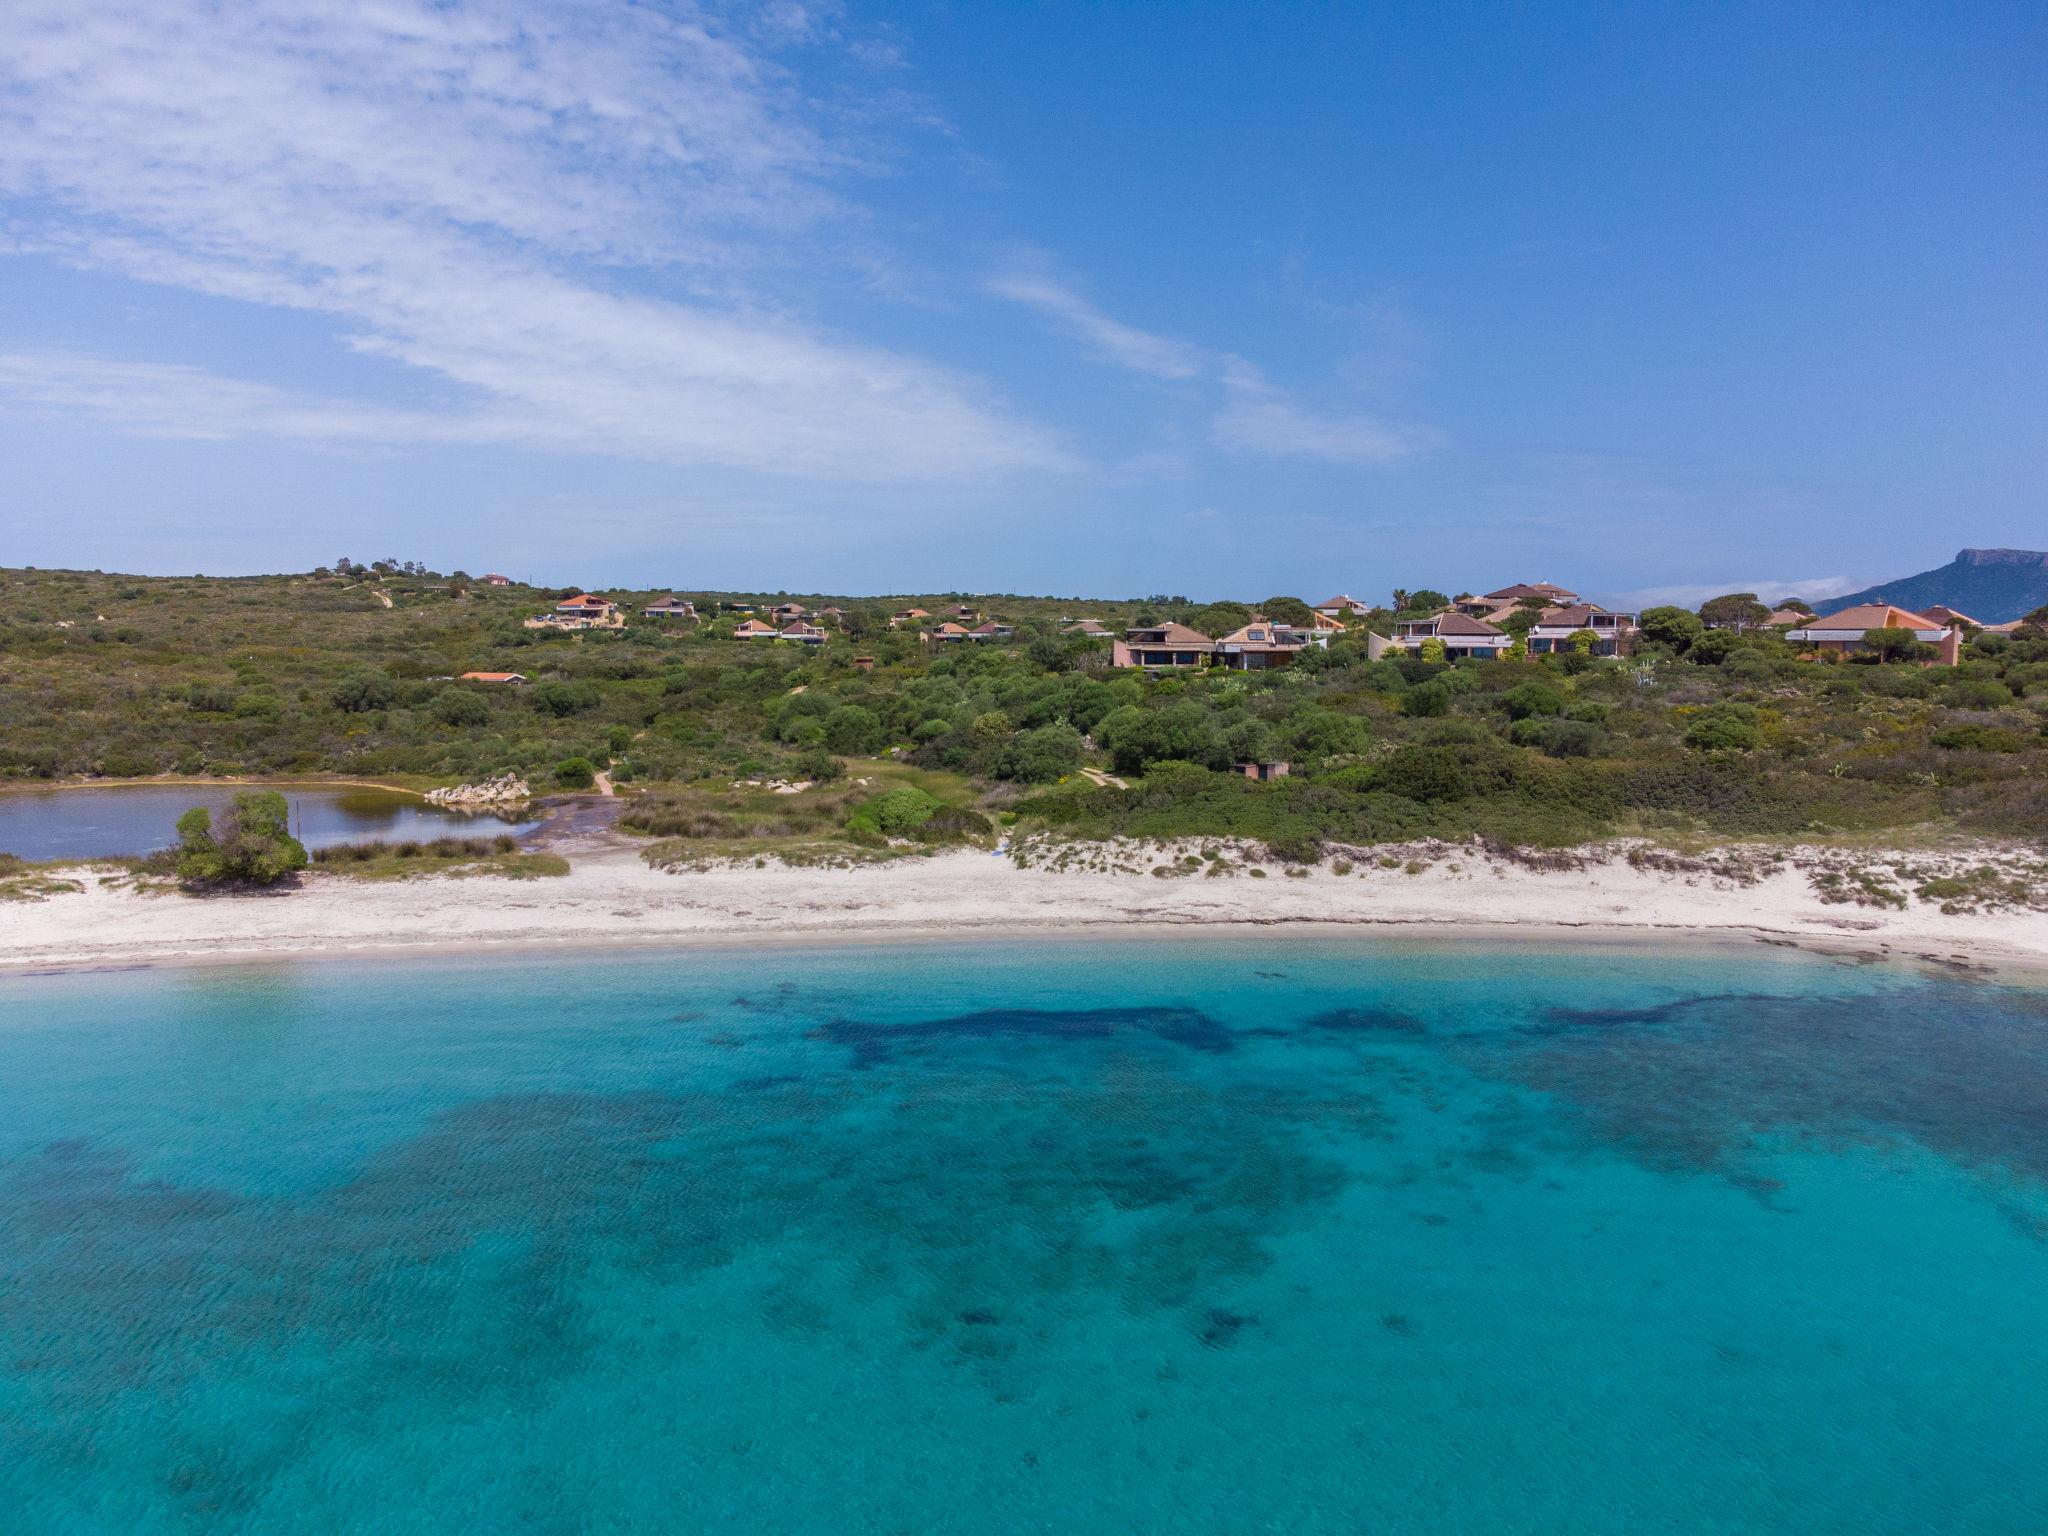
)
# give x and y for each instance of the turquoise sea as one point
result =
(1182, 1235)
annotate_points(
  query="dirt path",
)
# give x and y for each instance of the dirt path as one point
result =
(603, 784)
(1107, 780)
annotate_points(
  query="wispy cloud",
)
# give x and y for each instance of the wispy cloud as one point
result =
(1125, 345)
(1254, 416)
(1260, 418)
(1692, 595)
(173, 400)
(557, 206)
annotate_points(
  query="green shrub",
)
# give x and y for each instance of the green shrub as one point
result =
(893, 813)
(564, 699)
(1426, 699)
(575, 773)
(1979, 738)
(819, 766)
(1531, 699)
(1559, 738)
(362, 691)
(252, 846)
(1976, 694)
(461, 707)
(1724, 727)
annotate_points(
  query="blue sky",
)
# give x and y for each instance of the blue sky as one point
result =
(1080, 299)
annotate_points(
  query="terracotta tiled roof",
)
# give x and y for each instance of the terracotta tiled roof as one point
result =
(1170, 634)
(1455, 623)
(1875, 616)
(1523, 589)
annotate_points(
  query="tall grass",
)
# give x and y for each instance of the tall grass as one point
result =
(433, 848)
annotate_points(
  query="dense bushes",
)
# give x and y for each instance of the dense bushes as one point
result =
(252, 845)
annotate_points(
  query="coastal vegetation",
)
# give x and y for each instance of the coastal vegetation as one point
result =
(502, 855)
(251, 844)
(731, 748)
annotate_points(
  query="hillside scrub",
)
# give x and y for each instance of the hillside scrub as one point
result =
(1701, 732)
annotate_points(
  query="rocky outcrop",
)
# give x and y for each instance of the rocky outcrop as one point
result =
(507, 790)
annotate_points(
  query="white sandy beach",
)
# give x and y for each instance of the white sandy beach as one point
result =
(611, 896)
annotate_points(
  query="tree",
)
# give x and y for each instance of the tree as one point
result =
(575, 773)
(253, 845)
(1426, 700)
(1428, 600)
(1522, 620)
(853, 731)
(1288, 610)
(1434, 650)
(1675, 627)
(1724, 728)
(1048, 654)
(460, 706)
(1536, 697)
(1713, 646)
(1040, 756)
(1892, 644)
(819, 766)
(362, 691)
(1733, 610)
(564, 699)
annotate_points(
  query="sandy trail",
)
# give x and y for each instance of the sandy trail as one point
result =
(611, 896)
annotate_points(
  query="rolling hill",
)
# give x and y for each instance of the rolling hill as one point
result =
(1990, 585)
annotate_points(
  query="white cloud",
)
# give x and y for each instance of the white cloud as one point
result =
(1256, 415)
(558, 205)
(1259, 418)
(172, 400)
(1140, 351)
(1691, 596)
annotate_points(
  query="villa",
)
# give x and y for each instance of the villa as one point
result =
(803, 634)
(499, 679)
(1555, 628)
(903, 616)
(1460, 634)
(1162, 645)
(945, 633)
(1341, 605)
(670, 608)
(1848, 630)
(493, 579)
(994, 629)
(583, 611)
(1087, 627)
(754, 629)
(1260, 645)
(1550, 592)
(1941, 613)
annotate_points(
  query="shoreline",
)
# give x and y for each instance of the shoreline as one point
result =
(611, 899)
(184, 781)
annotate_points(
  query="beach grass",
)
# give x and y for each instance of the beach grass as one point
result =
(502, 856)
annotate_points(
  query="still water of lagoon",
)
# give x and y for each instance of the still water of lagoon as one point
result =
(97, 822)
(1066, 1236)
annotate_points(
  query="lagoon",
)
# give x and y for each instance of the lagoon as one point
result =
(1079, 1235)
(111, 821)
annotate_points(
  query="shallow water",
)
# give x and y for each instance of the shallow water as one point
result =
(108, 821)
(1078, 1236)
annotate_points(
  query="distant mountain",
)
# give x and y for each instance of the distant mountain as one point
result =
(1990, 585)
